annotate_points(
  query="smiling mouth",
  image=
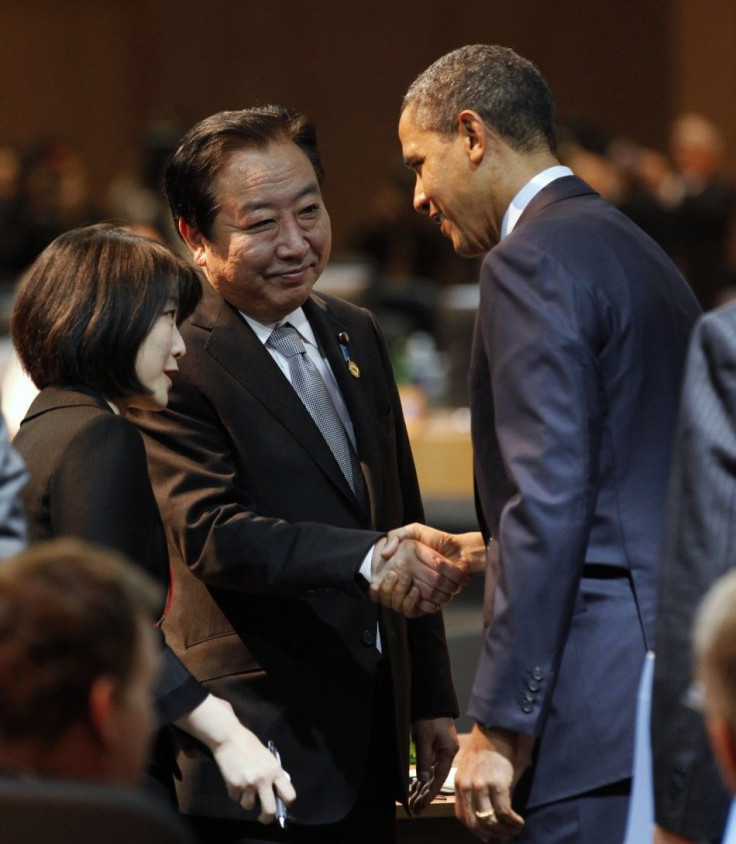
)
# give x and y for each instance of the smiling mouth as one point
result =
(292, 272)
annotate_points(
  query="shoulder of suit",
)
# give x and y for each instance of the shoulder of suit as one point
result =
(716, 330)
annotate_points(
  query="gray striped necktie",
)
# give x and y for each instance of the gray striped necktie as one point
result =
(312, 390)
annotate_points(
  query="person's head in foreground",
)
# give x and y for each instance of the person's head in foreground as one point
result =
(78, 662)
(714, 640)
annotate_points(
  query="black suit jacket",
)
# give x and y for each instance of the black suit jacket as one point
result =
(267, 539)
(88, 479)
(578, 354)
(700, 546)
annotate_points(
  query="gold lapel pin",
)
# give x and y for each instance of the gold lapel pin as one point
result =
(343, 338)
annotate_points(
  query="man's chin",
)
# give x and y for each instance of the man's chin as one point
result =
(468, 250)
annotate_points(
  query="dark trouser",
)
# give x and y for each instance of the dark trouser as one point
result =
(596, 817)
(371, 820)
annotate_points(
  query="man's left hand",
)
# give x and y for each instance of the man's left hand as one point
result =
(436, 744)
(489, 768)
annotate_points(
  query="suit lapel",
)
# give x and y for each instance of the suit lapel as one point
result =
(235, 347)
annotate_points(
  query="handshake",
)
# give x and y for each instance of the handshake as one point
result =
(417, 569)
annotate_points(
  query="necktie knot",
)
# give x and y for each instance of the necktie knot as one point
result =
(285, 339)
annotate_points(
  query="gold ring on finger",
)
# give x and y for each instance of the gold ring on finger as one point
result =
(487, 815)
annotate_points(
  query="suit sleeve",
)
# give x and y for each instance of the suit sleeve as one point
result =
(13, 475)
(213, 518)
(537, 333)
(101, 492)
(700, 545)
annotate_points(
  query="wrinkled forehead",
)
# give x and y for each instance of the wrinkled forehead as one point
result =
(280, 163)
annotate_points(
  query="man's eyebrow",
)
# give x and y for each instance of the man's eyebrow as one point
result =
(311, 188)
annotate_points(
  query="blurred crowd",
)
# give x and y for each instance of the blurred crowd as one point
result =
(47, 189)
(680, 196)
(414, 281)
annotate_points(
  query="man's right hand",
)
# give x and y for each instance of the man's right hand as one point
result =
(462, 549)
(412, 578)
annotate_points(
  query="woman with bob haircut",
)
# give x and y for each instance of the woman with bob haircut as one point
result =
(95, 324)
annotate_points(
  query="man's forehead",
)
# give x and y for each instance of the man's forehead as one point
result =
(281, 165)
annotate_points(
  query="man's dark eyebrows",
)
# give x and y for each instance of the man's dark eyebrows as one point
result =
(312, 187)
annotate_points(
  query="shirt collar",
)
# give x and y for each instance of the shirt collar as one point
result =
(296, 318)
(527, 193)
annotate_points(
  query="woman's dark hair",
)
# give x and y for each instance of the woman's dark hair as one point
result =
(190, 175)
(88, 301)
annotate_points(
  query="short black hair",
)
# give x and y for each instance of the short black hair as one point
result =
(190, 174)
(88, 301)
(506, 90)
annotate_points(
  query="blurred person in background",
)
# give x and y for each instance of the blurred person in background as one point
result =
(13, 250)
(702, 203)
(56, 194)
(95, 326)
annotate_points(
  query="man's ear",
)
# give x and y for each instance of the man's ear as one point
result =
(103, 710)
(723, 740)
(476, 135)
(195, 241)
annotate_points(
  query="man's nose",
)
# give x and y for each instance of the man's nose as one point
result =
(292, 241)
(421, 203)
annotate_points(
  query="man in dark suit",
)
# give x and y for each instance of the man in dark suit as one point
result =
(577, 358)
(274, 536)
(690, 800)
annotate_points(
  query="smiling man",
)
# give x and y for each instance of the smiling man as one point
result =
(279, 466)
(578, 354)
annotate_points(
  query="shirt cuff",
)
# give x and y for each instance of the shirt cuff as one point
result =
(366, 567)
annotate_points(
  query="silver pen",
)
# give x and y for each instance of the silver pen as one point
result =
(280, 808)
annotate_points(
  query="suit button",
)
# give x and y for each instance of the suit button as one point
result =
(369, 637)
(533, 685)
(529, 697)
(527, 708)
(537, 673)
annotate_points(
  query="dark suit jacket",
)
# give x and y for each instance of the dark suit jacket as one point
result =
(577, 359)
(700, 545)
(267, 539)
(88, 479)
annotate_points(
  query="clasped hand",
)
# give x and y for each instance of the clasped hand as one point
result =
(418, 569)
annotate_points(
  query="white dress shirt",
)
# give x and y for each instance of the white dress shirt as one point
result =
(527, 193)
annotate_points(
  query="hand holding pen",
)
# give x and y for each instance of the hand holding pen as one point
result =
(253, 776)
(280, 807)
